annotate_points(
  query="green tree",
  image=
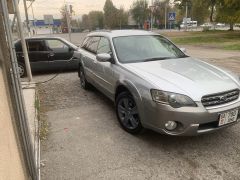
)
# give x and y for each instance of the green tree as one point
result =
(110, 14)
(63, 17)
(228, 11)
(140, 11)
(159, 12)
(211, 4)
(84, 24)
(122, 17)
(95, 20)
(198, 10)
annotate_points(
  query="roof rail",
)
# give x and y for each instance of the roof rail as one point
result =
(102, 30)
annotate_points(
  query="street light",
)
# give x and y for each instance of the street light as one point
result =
(152, 8)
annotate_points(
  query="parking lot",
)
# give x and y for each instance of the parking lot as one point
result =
(85, 141)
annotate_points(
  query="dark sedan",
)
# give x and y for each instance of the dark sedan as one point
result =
(48, 53)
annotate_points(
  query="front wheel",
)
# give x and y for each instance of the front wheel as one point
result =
(127, 113)
(83, 81)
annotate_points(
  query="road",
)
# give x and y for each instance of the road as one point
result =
(85, 140)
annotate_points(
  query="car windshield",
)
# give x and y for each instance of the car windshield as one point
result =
(132, 49)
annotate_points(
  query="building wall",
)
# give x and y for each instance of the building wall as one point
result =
(11, 160)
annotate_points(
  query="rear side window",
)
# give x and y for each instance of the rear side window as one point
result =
(103, 46)
(91, 44)
(86, 40)
(36, 45)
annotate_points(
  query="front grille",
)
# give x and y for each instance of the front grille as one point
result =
(220, 98)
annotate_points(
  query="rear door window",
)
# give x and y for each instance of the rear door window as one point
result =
(92, 44)
(103, 46)
(86, 40)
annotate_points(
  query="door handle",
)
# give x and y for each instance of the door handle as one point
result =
(50, 54)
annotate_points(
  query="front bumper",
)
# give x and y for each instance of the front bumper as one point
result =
(191, 120)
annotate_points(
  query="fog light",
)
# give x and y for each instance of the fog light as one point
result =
(171, 125)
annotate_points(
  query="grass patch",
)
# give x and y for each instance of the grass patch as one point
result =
(220, 39)
(43, 124)
(43, 132)
(198, 40)
(235, 47)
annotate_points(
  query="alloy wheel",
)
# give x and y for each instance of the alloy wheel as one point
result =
(127, 112)
(21, 70)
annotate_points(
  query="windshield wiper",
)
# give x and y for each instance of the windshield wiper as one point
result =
(156, 59)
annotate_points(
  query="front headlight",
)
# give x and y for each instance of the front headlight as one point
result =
(173, 99)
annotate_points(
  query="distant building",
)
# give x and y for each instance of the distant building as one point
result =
(39, 27)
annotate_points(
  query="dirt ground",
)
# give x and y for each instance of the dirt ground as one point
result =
(85, 141)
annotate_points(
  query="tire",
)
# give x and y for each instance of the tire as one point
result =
(21, 70)
(84, 84)
(127, 113)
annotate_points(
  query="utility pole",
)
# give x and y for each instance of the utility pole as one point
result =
(186, 16)
(34, 24)
(68, 22)
(186, 9)
(26, 15)
(23, 42)
(152, 17)
(165, 16)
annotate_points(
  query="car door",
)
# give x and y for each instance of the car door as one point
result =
(89, 58)
(61, 54)
(104, 70)
(38, 54)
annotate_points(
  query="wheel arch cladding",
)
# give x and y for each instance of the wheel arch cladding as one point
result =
(127, 85)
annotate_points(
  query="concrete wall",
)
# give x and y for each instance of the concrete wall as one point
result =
(11, 162)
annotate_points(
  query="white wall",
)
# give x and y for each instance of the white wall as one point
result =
(11, 161)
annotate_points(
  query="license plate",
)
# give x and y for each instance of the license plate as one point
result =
(228, 117)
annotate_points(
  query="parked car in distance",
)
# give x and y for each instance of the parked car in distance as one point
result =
(190, 24)
(220, 24)
(206, 25)
(156, 86)
(46, 53)
(237, 25)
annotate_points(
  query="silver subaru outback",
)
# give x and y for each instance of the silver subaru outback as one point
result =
(155, 85)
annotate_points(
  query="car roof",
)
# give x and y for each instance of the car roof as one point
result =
(44, 37)
(119, 33)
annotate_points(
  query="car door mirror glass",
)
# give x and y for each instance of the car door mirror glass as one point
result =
(104, 57)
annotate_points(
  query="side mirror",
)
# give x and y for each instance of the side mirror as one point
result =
(104, 57)
(183, 50)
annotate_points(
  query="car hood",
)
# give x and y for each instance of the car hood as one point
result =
(187, 76)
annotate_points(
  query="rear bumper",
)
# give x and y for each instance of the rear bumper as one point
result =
(191, 120)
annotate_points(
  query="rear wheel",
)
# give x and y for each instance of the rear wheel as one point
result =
(21, 70)
(127, 113)
(83, 81)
